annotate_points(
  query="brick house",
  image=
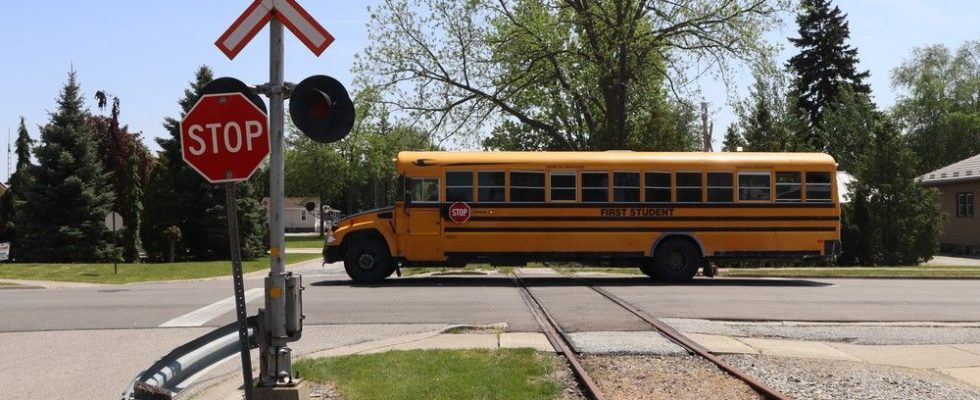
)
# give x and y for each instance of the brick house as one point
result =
(958, 184)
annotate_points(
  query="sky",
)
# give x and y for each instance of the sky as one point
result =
(146, 52)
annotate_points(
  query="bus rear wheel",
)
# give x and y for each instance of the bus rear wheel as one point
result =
(675, 260)
(368, 261)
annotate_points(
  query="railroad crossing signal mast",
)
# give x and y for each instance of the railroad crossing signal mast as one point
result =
(322, 109)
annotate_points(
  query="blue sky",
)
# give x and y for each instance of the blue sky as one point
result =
(145, 52)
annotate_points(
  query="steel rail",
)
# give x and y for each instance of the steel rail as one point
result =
(686, 342)
(559, 340)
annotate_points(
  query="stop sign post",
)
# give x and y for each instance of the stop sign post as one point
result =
(225, 137)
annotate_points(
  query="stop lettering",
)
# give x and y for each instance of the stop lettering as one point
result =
(224, 137)
(459, 212)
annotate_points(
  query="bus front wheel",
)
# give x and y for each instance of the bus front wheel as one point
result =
(368, 261)
(675, 260)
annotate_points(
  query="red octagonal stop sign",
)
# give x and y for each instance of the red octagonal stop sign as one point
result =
(224, 137)
(459, 212)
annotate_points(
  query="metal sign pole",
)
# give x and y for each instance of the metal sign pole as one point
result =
(231, 206)
(276, 361)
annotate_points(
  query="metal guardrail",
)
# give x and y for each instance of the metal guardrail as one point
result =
(165, 378)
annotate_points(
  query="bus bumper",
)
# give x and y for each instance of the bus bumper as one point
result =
(331, 253)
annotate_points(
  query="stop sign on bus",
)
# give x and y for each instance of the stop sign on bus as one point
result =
(224, 137)
(459, 212)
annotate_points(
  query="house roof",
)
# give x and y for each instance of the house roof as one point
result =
(960, 171)
(291, 202)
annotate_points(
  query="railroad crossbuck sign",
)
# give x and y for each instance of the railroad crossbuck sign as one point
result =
(459, 212)
(294, 17)
(224, 137)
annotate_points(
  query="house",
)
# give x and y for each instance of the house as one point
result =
(958, 183)
(296, 217)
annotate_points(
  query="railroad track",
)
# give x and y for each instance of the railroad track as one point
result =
(560, 341)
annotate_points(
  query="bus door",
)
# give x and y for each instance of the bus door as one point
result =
(423, 238)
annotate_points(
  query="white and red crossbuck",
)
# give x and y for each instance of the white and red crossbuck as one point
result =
(289, 12)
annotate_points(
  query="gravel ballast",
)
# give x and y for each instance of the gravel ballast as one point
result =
(674, 377)
(844, 380)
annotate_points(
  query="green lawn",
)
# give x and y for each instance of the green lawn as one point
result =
(519, 374)
(858, 272)
(103, 273)
(311, 241)
(7, 284)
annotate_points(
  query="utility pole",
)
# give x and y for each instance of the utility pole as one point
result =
(706, 129)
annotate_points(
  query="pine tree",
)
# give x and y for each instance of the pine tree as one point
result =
(67, 203)
(733, 140)
(197, 206)
(764, 116)
(891, 219)
(824, 64)
(132, 213)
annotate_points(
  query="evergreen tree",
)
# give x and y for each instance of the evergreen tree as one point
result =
(13, 198)
(765, 117)
(132, 213)
(824, 64)
(67, 203)
(197, 206)
(891, 219)
(157, 215)
(851, 122)
(733, 140)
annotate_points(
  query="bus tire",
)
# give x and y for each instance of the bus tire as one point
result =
(676, 260)
(368, 261)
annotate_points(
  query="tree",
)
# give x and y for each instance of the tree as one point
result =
(938, 107)
(766, 119)
(824, 65)
(66, 204)
(891, 219)
(560, 74)
(733, 140)
(195, 205)
(132, 212)
(13, 199)
(851, 121)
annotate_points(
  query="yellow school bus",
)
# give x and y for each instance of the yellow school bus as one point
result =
(671, 214)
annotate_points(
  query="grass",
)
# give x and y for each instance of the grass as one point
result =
(858, 272)
(128, 273)
(520, 374)
(312, 241)
(7, 284)
(409, 271)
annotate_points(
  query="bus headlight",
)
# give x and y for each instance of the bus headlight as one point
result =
(331, 239)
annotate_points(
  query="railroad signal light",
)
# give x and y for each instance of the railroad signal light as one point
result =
(322, 109)
(232, 85)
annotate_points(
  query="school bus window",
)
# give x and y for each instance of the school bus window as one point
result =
(459, 186)
(657, 187)
(491, 187)
(595, 187)
(754, 186)
(527, 187)
(425, 190)
(563, 186)
(720, 187)
(818, 187)
(688, 187)
(626, 187)
(788, 187)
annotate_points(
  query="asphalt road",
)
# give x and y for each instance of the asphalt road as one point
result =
(331, 299)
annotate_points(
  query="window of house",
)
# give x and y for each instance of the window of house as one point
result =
(490, 187)
(595, 187)
(425, 190)
(789, 187)
(657, 187)
(527, 187)
(626, 187)
(563, 186)
(302, 215)
(754, 186)
(964, 205)
(688, 187)
(818, 187)
(459, 186)
(720, 187)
